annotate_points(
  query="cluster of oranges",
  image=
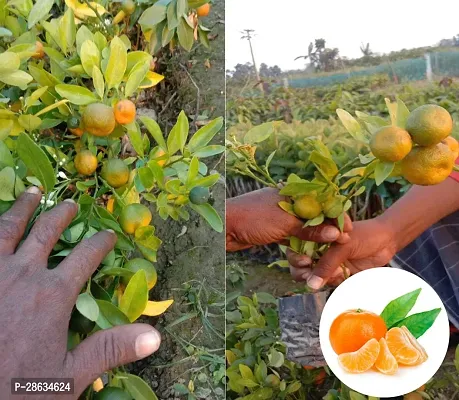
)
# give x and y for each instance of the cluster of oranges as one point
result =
(362, 342)
(424, 152)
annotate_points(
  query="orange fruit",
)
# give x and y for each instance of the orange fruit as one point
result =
(128, 6)
(400, 346)
(428, 165)
(362, 360)
(453, 145)
(115, 172)
(386, 362)
(134, 216)
(98, 385)
(423, 354)
(85, 162)
(39, 52)
(99, 119)
(413, 396)
(391, 144)
(307, 207)
(429, 124)
(76, 131)
(125, 112)
(111, 205)
(204, 10)
(135, 265)
(353, 328)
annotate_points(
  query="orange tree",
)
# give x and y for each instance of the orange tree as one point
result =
(69, 126)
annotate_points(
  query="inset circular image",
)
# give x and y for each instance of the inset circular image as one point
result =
(384, 332)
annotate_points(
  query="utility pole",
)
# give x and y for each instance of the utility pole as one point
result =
(248, 35)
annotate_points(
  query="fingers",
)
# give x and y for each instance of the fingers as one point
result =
(327, 265)
(321, 233)
(109, 349)
(47, 230)
(14, 222)
(79, 265)
(347, 223)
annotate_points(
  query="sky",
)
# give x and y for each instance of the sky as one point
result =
(284, 28)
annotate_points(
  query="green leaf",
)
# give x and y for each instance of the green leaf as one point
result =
(9, 62)
(117, 63)
(182, 7)
(39, 10)
(259, 133)
(138, 388)
(276, 358)
(152, 16)
(98, 80)
(100, 40)
(351, 125)
(402, 113)
(185, 34)
(209, 151)
(399, 308)
(67, 31)
(29, 122)
(155, 131)
(82, 35)
(90, 56)
(87, 306)
(172, 20)
(326, 164)
(133, 131)
(135, 297)
(246, 372)
(419, 323)
(293, 387)
(210, 215)
(136, 77)
(206, 181)
(382, 171)
(146, 177)
(356, 396)
(392, 108)
(178, 135)
(7, 181)
(16, 78)
(76, 94)
(194, 169)
(205, 134)
(111, 314)
(6, 158)
(36, 161)
(300, 188)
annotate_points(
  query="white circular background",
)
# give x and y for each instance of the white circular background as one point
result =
(371, 290)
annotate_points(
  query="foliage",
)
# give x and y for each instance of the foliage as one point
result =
(57, 59)
(321, 57)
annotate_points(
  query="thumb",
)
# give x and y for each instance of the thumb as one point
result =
(108, 349)
(326, 268)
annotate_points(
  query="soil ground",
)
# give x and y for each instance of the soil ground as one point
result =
(191, 252)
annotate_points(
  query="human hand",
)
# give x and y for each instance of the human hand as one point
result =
(255, 219)
(371, 245)
(37, 302)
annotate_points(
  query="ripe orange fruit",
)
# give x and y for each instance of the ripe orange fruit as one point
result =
(39, 52)
(134, 216)
(85, 162)
(76, 131)
(307, 207)
(125, 112)
(428, 165)
(423, 354)
(429, 124)
(99, 119)
(400, 346)
(361, 360)
(390, 144)
(115, 172)
(204, 10)
(353, 328)
(97, 385)
(386, 362)
(111, 205)
(453, 146)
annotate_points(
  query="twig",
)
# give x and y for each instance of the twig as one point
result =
(94, 9)
(167, 104)
(198, 96)
(219, 161)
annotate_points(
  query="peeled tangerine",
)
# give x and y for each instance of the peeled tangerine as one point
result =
(404, 346)
(361, 360)
(386, 362)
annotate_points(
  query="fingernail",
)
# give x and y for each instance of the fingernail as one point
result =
(33, 190)
(306, 275)
(330, 233)
(315, 282)
(304, 262)
(70, 201)
(147, 343)
(110, 230)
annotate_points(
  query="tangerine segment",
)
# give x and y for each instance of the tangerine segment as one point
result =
(400, 346)
(353, 328)
(386, 362)
(361, 360)
(423, 354)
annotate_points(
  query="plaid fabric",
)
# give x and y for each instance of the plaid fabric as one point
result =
(434, 256)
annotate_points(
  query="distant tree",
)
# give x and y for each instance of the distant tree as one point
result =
(365, 49)
(264, 70)
(321, 57)
(269, 72)
(242, 71)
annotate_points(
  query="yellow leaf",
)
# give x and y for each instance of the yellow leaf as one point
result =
(230, 356)
(82, 10)
(155, 308)
(57, 104)
(151, 79)
(147, 35)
